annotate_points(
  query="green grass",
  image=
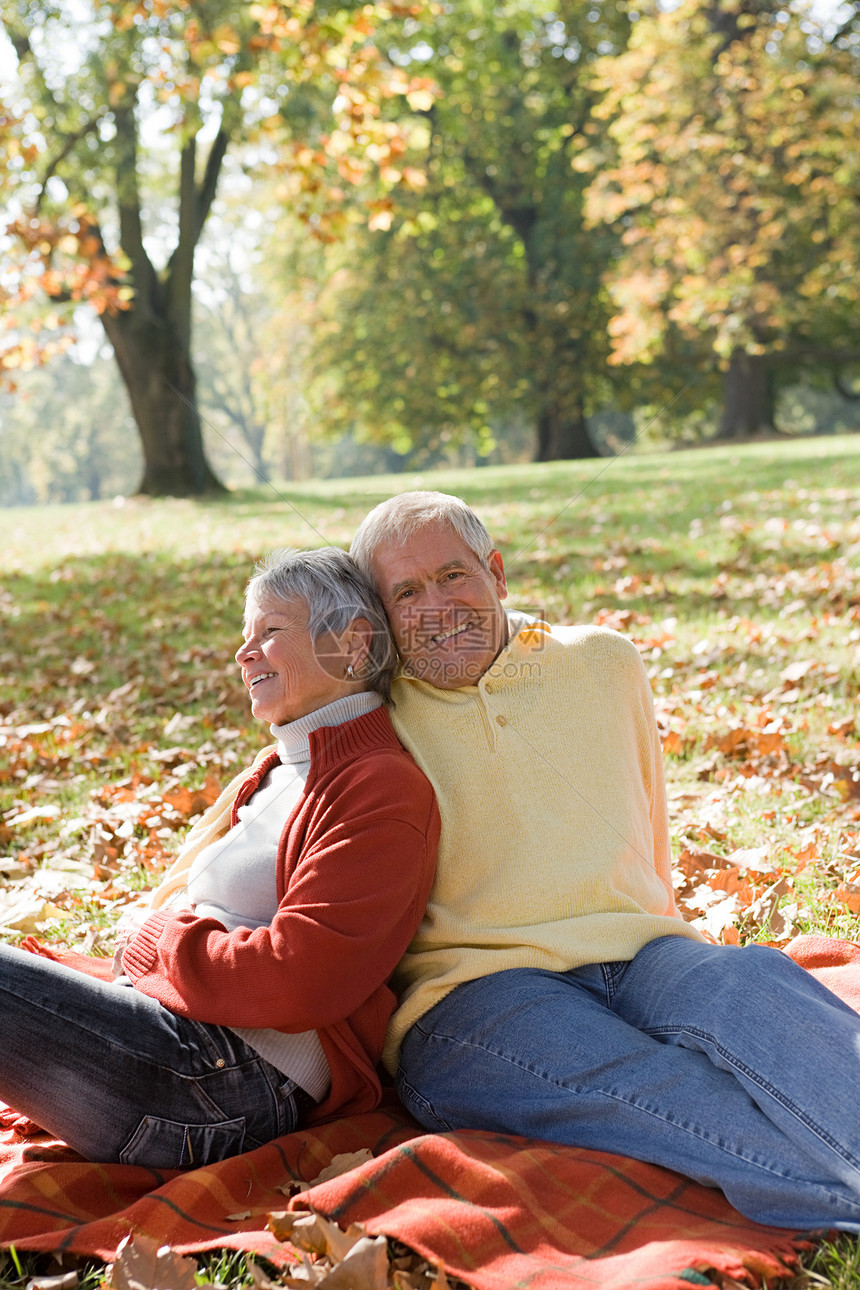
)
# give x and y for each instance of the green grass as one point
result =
(215, 1268)
(735, 569)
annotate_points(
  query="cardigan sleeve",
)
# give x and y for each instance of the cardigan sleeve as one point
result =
(353, 900)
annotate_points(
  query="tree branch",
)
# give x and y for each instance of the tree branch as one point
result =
(128, 200)
(89, 127)
(209, 186)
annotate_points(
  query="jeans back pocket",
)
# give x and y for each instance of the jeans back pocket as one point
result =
(170, 1144)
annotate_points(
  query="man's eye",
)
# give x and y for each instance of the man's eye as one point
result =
(404, 595)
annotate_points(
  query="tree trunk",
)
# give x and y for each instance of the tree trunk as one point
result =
(748, 403)
(152, 338)
(254, 433)
(158, 375)
(563, 436)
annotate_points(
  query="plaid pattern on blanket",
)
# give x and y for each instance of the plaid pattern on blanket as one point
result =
(497, 1211)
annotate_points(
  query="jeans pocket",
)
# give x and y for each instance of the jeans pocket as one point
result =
(419, 1107)
(171, 1144)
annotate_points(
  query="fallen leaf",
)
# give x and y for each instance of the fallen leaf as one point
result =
(317, 1234)
(18, 821)
(693, 861)
(143, 1264)
(753, 860)
(848, 894)
(342, 1164)
(718, 911)
(798, 670)
(673, 742)
(62, 1281)
(764, 912)
(365, 1267)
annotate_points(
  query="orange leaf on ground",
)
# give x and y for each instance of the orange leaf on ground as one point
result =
(848, 894)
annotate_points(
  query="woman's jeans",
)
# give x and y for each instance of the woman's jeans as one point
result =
(121, 1078)
(732, 1066)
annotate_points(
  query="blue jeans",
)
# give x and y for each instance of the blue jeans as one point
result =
(732, 1066)
(121, 1078)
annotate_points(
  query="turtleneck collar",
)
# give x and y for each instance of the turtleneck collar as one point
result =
(294, 738)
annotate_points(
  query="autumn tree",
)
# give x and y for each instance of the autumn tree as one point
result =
(734, 172)
(114, 138)
(481, 304)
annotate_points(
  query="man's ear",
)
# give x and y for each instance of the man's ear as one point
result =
(497, 569)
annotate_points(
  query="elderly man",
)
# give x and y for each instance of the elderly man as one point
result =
(553, 989)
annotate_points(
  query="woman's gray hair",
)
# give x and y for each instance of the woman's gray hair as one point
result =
(336, 592)
(395, 520)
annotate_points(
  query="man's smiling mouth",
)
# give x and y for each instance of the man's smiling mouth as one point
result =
(441, 637)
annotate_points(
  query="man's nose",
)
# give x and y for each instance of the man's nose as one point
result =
(436, 597)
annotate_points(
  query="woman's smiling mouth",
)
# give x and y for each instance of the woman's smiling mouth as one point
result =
(264, 676)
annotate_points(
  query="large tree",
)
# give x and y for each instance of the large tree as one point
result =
(735, 176)
(481, 304)
(113, 140)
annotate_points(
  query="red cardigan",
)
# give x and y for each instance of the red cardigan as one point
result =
(356, 861)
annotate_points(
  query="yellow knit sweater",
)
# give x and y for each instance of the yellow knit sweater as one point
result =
(554, 849)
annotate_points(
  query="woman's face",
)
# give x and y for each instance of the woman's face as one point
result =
(286, 673)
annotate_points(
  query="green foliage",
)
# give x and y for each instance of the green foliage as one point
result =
(729, 161)
(712, 147)
(834, 1265)
(114, 134)
(480, 310)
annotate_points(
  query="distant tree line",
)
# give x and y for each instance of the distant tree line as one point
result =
(497, 231)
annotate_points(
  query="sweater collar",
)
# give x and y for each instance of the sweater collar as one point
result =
(294, 738)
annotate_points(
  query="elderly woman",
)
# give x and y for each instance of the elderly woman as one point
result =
(252, 1000)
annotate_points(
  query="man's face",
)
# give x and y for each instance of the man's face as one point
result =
(444, 606)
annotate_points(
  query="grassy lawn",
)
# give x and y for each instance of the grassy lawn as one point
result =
(735, 570)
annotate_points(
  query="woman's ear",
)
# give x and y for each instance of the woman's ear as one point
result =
(357, 640)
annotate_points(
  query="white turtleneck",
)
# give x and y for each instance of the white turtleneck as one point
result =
(235, 878)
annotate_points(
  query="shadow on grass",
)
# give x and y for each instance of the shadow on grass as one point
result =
(75, 634)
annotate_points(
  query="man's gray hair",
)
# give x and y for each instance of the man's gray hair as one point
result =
(398, 518)
(336, 592)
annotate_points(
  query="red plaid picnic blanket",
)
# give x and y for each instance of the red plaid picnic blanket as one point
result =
(497, 1211)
